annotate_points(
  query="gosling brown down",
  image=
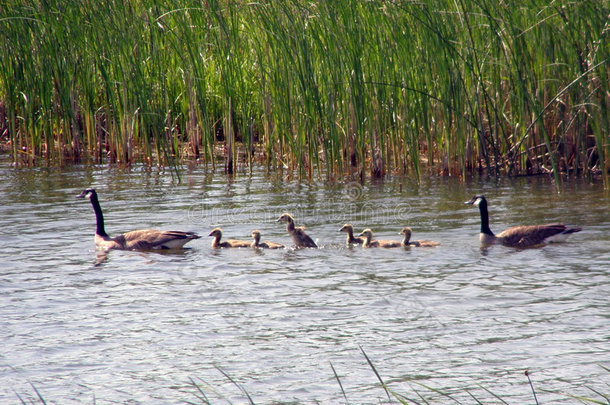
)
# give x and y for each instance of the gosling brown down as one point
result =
(300, 238)
(229, 243)
(367, 234)
(406, 242)
(264, 245)
(351, 239)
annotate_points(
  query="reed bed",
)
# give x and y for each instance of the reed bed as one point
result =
(320, 89)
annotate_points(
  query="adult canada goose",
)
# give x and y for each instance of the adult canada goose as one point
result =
(264, 245)
(406, 231)
(367, 234)
(351, 239)
(229, 243)
(301, 239)
(519, 236)
(144, 239)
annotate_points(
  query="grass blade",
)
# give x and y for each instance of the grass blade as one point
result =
(241, 388)
(527, 374)
(340, 384)
(376, 373)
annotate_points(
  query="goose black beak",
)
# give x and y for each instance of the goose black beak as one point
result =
(82, 195)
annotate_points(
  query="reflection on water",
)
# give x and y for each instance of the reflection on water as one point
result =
(135, 326)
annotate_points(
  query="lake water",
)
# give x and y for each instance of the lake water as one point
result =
(135, 327)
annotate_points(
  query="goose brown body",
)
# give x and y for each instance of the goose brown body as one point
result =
(351, 239)
(143, 239)
(520, 236)
(264, 245)
(406, 231)
(229, 243)
(369, 242)
(300, 238)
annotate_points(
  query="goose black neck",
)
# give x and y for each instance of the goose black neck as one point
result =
(99, 217)
(484, 218)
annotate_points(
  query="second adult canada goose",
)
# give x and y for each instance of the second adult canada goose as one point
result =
(519, 236)
(301, 239)
(406, 231)
(367, 234)
(351, 239)
(229, 243)
(264, 245)
(143, 239)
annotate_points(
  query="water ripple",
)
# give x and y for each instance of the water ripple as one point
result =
(133, 327)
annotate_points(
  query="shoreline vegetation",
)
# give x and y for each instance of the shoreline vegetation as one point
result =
(320, 89)
(419, 393)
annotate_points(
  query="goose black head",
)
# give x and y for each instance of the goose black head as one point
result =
(87, 193)
(476, 200)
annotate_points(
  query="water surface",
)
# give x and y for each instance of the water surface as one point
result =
(134, 327)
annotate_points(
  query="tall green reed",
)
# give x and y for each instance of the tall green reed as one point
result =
(316, 88)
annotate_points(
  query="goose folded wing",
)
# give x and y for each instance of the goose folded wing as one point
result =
(153, 239)
(525, 236)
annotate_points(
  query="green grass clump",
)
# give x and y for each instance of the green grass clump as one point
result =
(205, 393)
(421, 394)
(326, 88)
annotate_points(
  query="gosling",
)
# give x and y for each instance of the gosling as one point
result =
(264, 245)
(406, 231)
(300, 238)
(351, 239)
(229, 243)
(367, 234)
